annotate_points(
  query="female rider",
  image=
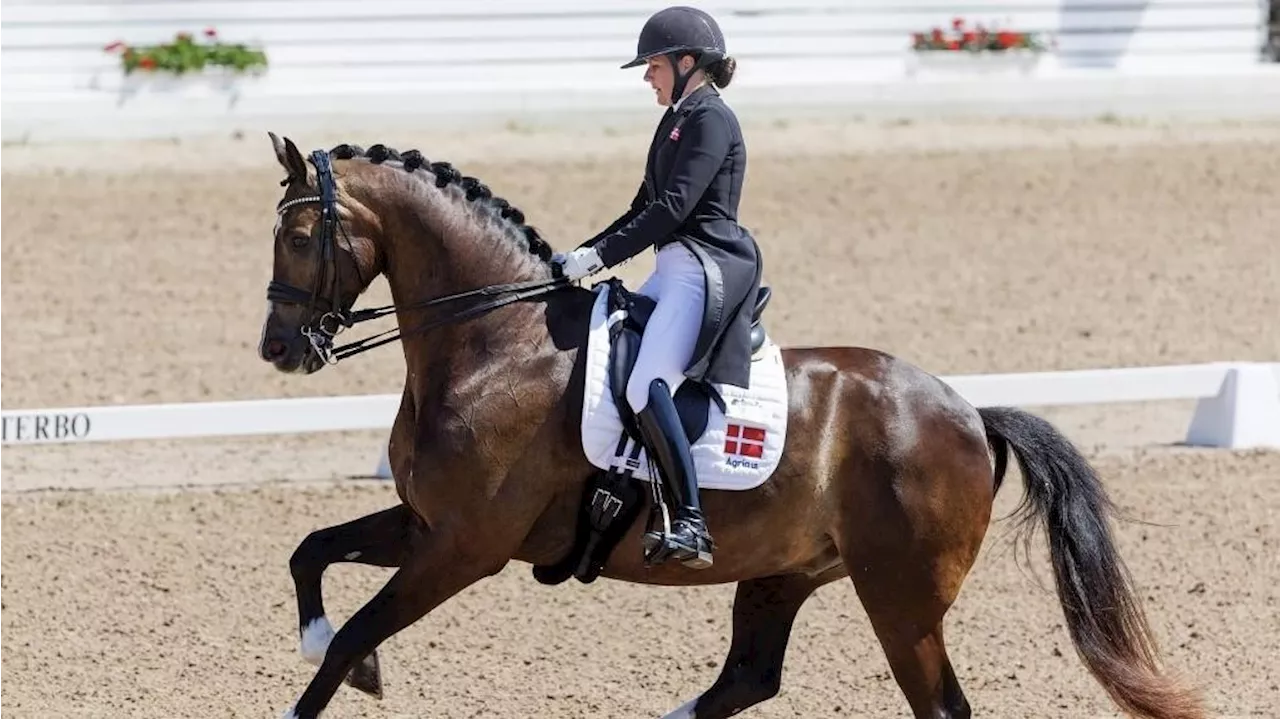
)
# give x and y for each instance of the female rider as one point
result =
(708, 267)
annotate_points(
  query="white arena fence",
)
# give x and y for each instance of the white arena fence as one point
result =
(1238, 407)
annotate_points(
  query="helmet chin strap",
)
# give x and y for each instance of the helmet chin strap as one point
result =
(681, 79)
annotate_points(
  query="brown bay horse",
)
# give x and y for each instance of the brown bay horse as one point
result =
(887, 476)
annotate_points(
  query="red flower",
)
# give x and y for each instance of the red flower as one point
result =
(953, 44)
(968, 37)
(937, 35)
(147, 63)
(210, 32)
(1006, 39)
(117, 45)
(957, 23)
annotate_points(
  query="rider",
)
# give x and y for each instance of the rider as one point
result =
(708, 267)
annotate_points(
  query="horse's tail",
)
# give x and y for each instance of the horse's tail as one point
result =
(1104, 617)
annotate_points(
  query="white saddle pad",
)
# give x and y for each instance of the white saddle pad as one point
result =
(738, 451)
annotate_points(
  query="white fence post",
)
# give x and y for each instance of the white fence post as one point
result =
(383, 470)
(1244, 414)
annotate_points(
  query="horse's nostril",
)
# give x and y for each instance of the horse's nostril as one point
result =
(276, 349)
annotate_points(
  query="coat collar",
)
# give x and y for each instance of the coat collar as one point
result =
(697, 97)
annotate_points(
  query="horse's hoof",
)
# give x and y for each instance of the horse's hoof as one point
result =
(553, 574)
(367, 676)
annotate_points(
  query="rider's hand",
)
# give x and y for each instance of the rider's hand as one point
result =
(579, 263)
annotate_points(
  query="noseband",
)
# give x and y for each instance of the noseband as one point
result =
(336, 318)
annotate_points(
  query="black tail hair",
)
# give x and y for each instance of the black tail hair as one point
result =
(1104, 616)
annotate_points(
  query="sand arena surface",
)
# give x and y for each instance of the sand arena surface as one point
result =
(135, 273)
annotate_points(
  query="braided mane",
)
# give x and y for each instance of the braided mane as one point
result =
(446, 174)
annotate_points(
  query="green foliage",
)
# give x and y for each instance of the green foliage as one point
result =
(185, 55)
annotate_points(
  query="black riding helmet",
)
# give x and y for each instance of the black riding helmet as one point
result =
(678, 31)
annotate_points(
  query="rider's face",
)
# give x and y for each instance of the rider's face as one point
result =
(660, 77)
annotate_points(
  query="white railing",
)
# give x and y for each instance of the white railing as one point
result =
(314, 43)
(331, 58)
(1238, 407)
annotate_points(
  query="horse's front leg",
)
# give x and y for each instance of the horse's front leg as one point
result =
(380, 539)
(439, 563)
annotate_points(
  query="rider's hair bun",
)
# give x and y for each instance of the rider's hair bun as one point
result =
(721, 72)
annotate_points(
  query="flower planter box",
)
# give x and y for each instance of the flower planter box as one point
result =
(964, 62)
(210, 82)
(187, 68)
(974, 49)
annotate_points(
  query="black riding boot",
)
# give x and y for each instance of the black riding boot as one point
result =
(689, 541)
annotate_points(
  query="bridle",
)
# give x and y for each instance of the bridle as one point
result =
(336, 318)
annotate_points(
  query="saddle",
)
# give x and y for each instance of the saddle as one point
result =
(692, 398)
(613, 498)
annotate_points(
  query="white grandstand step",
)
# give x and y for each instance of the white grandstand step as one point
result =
(370, 26)
(48, 11)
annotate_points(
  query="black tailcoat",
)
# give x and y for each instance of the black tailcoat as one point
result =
(692, 186)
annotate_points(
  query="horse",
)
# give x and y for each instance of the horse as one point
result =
(887, 476)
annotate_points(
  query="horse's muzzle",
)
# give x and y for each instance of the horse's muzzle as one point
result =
(290, 355)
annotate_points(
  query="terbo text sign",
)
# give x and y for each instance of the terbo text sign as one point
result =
(201, 419)
(46, 427)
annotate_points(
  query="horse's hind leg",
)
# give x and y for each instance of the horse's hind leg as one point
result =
(763, 612)
(379, 539)
(918, 659)
(907, 585)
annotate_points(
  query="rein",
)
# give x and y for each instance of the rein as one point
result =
(337, 318)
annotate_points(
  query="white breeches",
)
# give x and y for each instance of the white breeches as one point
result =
(678, 283)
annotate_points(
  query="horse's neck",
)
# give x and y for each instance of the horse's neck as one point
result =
(436, 248)
(427, 259)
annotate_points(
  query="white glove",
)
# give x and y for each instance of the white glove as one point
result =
(579, 263)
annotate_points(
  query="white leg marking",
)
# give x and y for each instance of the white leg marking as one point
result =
(289, 714)
(315, 640)
(685, 711)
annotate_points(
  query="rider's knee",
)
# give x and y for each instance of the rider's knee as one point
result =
(641, 389)
(638, 392)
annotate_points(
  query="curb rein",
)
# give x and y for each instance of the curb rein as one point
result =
(333, 322)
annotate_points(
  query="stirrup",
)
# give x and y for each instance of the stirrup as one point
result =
(692, 547)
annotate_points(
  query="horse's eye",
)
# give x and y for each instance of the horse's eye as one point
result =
(300, 240)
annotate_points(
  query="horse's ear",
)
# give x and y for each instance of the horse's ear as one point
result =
(289, 157)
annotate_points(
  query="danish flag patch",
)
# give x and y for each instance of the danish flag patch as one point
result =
(744, 441)
(675, 133)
